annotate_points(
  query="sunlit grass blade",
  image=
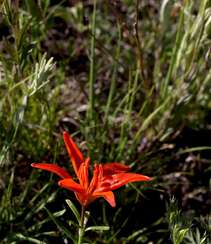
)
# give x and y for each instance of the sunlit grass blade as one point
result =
(166, 81)
(92, 71)
(40, 224)
(194, 149)
(113, 79)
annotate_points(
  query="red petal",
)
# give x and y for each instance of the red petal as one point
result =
(94, 181)
(73, 151)
(115, 181)
(114, 168)
(83, 173)
(108, 196)
(71, 185)
(52, 168)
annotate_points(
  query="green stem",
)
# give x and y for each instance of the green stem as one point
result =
(81, 228)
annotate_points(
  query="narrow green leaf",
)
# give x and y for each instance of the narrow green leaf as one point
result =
(97, 228)
(61, 226)
(74, 210)
(30, 239)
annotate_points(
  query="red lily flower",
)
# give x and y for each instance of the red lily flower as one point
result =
(106, 178)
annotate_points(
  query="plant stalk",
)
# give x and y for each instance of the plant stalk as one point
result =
(81, 228)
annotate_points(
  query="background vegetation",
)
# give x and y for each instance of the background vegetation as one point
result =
(131, 82)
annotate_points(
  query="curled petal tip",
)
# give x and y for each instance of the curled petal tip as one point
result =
(35, 165)
(148, 178)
